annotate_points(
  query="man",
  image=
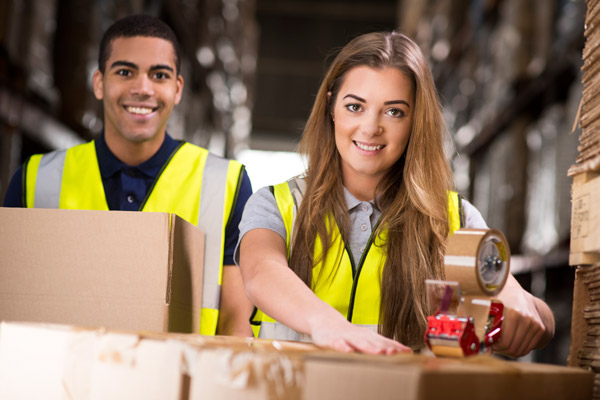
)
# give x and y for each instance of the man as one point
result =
(135, 165)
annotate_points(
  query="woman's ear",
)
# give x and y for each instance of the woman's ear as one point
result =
(329, 105)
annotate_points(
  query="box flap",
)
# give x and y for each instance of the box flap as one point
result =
(185, 297)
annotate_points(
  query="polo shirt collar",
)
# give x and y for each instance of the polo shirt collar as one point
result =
(351, 201)
(110, 164)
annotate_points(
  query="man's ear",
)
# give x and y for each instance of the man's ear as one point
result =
(98, 84)
(179, 89)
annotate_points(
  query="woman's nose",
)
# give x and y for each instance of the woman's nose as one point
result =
(371, 126)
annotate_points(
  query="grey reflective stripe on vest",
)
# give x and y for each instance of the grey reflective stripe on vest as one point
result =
(49, 180)
(369, 327)
(210, 220)
(278, 331)
(297, 188)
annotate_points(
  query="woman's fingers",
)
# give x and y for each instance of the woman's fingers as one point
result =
(349, 338)
(520, 333)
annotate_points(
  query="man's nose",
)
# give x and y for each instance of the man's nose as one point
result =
(142, 86)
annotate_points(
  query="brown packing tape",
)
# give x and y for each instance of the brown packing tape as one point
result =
(479, 309)
(461, 260)
(464, 247)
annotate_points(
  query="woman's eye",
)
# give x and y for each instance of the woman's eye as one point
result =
(354, 107)
(395, 112)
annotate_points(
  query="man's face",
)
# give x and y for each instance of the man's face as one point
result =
(138, 89)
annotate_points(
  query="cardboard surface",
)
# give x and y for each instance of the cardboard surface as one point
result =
(585, 219)
(59, 362)
(116, 269)
(579, 326)
(423, 378)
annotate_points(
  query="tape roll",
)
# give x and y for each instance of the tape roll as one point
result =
(479, 260)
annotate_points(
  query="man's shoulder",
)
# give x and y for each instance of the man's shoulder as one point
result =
(211, 157)
(76, 147)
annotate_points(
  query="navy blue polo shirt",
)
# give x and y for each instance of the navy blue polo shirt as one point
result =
(126, 187)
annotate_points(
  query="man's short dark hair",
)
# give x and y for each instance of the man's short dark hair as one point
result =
(137, 25)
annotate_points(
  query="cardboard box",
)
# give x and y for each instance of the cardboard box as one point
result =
(579, 325)
(585, 219)
(116, 269)
(54, 362)
(418, 377)
(60, 362)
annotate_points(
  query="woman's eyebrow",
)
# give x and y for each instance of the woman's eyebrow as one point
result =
(355, 97)
(396, 102)
(385, 103)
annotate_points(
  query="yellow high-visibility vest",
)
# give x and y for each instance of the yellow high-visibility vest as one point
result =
(355, 291)
(194, 184)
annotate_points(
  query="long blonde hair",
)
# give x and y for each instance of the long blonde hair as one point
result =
(412, 196)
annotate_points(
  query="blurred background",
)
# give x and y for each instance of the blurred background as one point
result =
(508, 73)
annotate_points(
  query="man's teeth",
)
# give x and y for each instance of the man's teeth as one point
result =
(139, 110)
(368, 148)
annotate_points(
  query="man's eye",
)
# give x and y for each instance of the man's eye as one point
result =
(161, 75)
(354, 107)
(124, 72)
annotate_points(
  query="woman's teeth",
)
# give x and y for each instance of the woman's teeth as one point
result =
(368, 148)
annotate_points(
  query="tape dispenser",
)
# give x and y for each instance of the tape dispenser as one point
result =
(468, 319)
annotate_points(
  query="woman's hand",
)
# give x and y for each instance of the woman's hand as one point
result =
(528, 321)
(341, 335)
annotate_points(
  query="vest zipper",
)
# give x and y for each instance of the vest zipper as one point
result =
(356, 275)
(351, 257)
(162, 169)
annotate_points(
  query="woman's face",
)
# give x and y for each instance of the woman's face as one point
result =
(373, 119)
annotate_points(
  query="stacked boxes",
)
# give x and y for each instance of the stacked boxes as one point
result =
(589, 148)
(585, 216)
(60, 362)
(135, 281)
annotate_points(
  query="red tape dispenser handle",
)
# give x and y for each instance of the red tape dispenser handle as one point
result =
(494, 324)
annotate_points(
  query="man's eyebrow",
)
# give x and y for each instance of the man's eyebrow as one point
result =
(123, 64)
(134, 66)
(162, 66)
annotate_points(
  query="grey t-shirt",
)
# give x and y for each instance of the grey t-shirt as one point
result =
(261, 211)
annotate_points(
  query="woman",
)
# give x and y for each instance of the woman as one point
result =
(356, 237)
